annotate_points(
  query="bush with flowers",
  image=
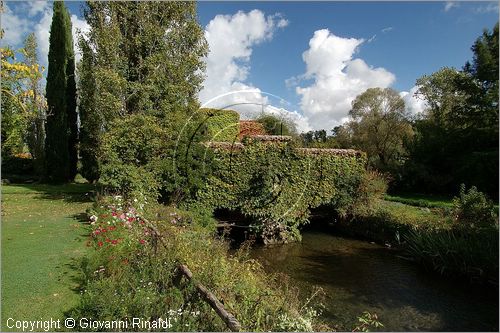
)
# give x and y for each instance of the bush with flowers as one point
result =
(131, 273)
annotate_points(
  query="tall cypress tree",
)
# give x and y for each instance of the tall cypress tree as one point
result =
(61, 130)
(71, 101)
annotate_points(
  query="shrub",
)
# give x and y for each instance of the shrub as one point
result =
(473, 210)
(19, 164)
(139, 157)
(129, 151)
(372, 189)
(220, 125)
(275, 125)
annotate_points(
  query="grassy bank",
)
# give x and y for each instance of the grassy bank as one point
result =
(386, 222)
(42, 238)
(433, 237)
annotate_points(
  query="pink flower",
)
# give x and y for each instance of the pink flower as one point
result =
(142, 241)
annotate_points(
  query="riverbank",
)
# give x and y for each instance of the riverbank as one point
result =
(430, 236)
(42, 241)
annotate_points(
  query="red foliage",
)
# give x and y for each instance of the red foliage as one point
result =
(250, 128)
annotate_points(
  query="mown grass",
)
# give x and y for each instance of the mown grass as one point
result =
(42, 238)
(422, 200)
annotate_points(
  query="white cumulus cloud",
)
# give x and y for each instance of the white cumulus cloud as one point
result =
(414, 105)
(15, 27)
(337, 78)
(35, 16)
(231, 39)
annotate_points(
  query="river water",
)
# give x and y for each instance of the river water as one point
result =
(359, 276)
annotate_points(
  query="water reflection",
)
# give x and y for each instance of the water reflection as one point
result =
(359, 276)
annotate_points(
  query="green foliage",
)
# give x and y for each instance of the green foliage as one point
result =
(372, 189)
(367, 321)
(275, 125)
(457, 138)
(388, 222)
(131, 65)
(36, 104)
(276, 184)
(17, 165)
(71, 102)
(140, 158)
(130, 150)
(23, 104)
(60, 140)
(484, 69)
(441, 159)
(380, 127)
(90, 118)
(131, 273)
(452, 253)
(220, 125)
(320, 139)
(473, 210)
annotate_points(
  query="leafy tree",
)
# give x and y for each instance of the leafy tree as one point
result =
(457, 138)
(449, 94)
(37, 105)
(90, 118)
(379, 126)
(23, 106)
(275, 125)
(319, 139)
(141, 58)
(60, 138)
(71, 101)
(484, 68)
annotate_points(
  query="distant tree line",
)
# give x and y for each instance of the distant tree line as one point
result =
(454, 141)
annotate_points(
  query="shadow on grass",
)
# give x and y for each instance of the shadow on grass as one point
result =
(70, 192)
(81, 218)
(79, 279)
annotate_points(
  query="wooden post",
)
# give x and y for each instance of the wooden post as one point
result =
(210, 298)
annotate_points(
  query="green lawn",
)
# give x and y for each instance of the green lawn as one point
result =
(421, 200)
(43, 235)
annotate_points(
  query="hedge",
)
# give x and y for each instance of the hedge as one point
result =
(221, 125)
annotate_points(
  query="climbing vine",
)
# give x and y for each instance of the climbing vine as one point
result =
(277, 184)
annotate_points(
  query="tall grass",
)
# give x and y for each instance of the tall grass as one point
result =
(456, 253)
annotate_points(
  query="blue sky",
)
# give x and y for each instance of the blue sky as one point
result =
(395, 43)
